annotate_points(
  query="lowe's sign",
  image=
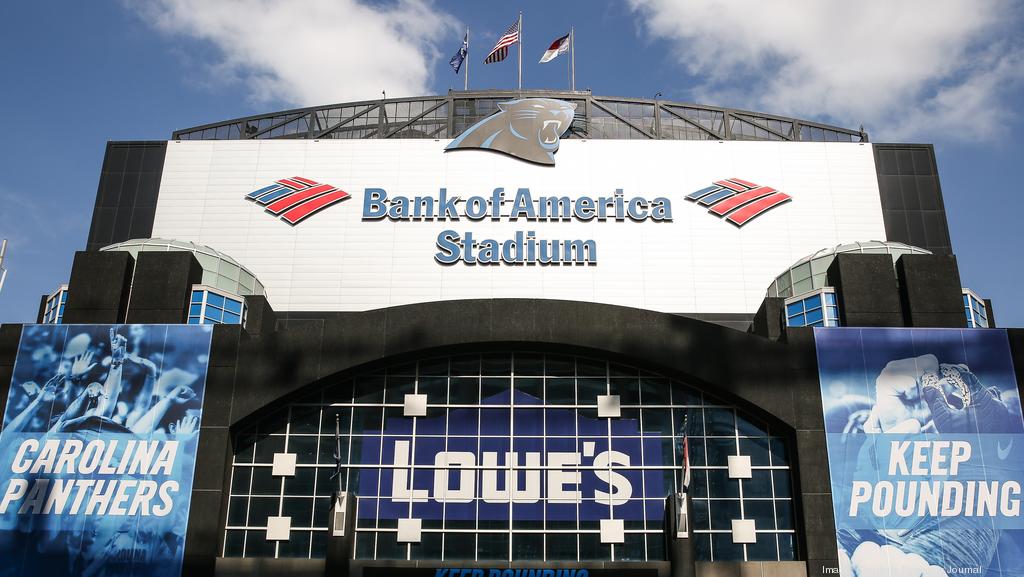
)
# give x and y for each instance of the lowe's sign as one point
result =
(524, 247)
(494, 474)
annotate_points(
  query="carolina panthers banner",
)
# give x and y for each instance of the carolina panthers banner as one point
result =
(926, 451)
(98, 449)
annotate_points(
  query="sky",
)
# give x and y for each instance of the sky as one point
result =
(77, 74)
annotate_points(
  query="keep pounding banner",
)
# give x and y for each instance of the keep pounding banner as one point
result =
(98, 449)
(926, 451)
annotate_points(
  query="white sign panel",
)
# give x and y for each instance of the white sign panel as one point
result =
(611, 222)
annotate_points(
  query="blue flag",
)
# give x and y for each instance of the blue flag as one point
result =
(460, 56)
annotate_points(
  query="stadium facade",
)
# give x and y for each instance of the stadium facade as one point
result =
(514, 333)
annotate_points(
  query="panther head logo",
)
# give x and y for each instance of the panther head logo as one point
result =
(527, 128)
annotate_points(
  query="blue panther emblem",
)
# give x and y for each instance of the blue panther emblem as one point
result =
(527, 128)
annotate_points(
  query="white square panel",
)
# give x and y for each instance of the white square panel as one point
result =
(284, 465)
(613, 531)
(415, 406)
(739, 467)
(279, 528)
(608, 406)
(409, 530)
(743, 531)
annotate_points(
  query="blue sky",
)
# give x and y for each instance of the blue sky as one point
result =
(78, 74)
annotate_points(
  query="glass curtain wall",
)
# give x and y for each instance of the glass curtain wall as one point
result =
(542, 408)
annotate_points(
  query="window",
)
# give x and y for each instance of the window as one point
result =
(974, 308)
(816, 309)
(484, 405)
(211, 307)
(53, 312)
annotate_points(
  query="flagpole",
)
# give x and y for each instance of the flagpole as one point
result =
(572, 58)
(466, 79)
(520, 50)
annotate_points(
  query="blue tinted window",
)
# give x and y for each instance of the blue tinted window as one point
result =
(233, 306)
(817, 314)
(215, 299)
(219, 309)
(814, 316)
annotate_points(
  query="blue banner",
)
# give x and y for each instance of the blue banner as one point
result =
(926, 450)
(98, 449)
(506, 467)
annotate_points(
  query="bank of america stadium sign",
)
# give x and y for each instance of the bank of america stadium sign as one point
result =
(294, 199)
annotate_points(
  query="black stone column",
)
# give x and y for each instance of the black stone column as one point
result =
(990, 313)
(930, 291)
(866, 290)
(770, 319)
(1016, 337)
(163, 286)
(260, 317)
(99, 287)
(340, 547)
(10, 338)
(42, 308)
(816, 531)
(681, 551)
(204, 535)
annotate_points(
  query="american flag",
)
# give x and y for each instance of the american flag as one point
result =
(500, 50)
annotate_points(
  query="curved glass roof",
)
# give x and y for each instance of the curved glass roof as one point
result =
(808, 273)
(447, 116)
(220, 271)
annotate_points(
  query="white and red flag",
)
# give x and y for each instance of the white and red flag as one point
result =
(560, 46)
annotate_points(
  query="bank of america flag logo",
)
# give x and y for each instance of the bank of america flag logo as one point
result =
(295, 199)
(738, 201)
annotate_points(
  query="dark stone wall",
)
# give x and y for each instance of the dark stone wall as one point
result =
(10, 337)
(204, 535)
(163, 286)
(42, 308)
(816, 529)
(991, 313)
(127, 192)
(930, 291)
(912, 207)
(99, 287)
(866, 290)
(750, 369)
(770, 319)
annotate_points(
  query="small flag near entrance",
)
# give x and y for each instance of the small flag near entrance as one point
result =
(560, 46)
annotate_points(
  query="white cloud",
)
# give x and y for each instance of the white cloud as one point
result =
(906, 69)
(312, 51)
